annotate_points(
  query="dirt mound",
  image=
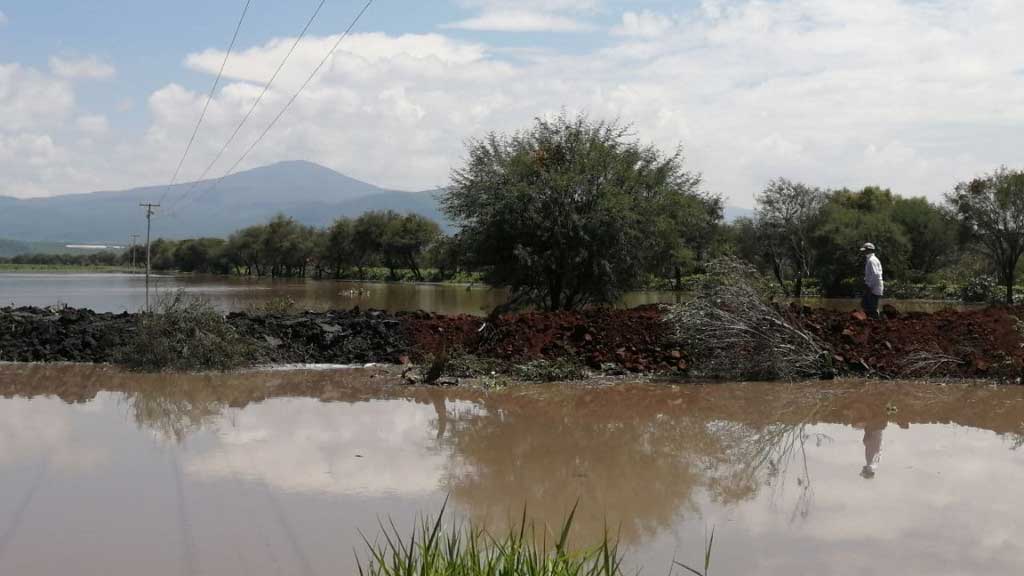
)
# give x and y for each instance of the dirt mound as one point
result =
(976, 343)
(334, 337)
(30, 334)
(636, 340)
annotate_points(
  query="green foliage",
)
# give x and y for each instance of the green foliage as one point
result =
(931, 231)
(573, 212)
(185, 333)
(979, 289)
(848, 220)
(787, 216)
(991, 213)
(433, 550)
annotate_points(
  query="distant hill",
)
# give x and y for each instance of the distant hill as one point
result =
(306, 191)
(310, 193)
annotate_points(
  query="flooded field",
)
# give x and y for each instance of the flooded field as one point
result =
(276, 472)
(121, 292)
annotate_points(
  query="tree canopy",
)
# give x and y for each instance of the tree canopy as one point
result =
(573, 211)
(991, 212)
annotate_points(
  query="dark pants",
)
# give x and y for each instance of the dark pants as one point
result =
(870, 303)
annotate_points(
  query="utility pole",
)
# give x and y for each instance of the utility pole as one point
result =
(133, 238)
(149, 216)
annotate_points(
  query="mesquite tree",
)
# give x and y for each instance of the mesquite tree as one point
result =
(991, 210)
(572, 211)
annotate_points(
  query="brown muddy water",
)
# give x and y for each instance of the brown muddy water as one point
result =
(277, 472)
(126, 292)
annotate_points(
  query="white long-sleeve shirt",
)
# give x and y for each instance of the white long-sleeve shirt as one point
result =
(873, 275)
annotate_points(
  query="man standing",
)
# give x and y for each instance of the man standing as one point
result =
(873, 285)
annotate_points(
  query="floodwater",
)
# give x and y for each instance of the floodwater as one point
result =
(256, 473)
(121, 292)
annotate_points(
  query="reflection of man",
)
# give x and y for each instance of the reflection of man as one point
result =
(872, 448)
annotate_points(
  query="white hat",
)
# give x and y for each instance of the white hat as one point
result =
(867, 247)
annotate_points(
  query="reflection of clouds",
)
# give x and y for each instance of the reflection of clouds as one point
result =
(376, 447)
(946, 500)
(43, 429)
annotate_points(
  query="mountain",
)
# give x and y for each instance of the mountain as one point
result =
(308, 192)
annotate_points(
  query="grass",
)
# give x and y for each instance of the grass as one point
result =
(10, 267)
(433, 550)
(185, 334)
(466, 550)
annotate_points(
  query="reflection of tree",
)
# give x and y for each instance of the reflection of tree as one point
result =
(635, 465)
(173, 413)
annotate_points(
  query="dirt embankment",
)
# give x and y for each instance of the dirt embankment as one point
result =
(984, 343)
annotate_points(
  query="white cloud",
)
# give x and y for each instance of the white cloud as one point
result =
(526, 16)
(93, 124)
(912, 95)
(3, 18)
(90, 67)
(646, 24)
(519, 21)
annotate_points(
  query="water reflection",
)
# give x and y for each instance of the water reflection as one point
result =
(307, 458)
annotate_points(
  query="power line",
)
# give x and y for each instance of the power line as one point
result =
(255, 103)
(209, 98)
(288, 104)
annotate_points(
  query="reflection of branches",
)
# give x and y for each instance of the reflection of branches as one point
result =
(171, 416)
(757, 457)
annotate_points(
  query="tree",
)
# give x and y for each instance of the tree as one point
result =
(931, 230)
(244, 248)
(569, 212)
(991, 211)
(406, 238)
(848, 219)
(786, 217)
(368, 240)
(340, 252)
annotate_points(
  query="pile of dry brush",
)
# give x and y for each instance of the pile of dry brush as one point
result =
(731, 328)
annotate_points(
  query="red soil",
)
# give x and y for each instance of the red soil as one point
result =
(635, 340)
(982, 343)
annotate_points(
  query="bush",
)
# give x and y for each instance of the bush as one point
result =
(186, 333)
(980, 288)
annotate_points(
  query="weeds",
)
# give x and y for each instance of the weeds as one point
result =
(186, 333)
(277, 306)
(433, 550)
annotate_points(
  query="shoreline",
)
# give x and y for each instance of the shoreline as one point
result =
(982, 343)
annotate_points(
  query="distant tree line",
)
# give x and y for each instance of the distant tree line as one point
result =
(802, 234)
(284, 248)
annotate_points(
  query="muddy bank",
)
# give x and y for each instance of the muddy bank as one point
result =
(983, 343)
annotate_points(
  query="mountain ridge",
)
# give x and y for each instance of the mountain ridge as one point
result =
(311, 193)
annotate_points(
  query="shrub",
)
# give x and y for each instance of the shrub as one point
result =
(186, 333)
(981, 288)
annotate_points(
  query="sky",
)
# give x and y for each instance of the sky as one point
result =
(914, 95)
